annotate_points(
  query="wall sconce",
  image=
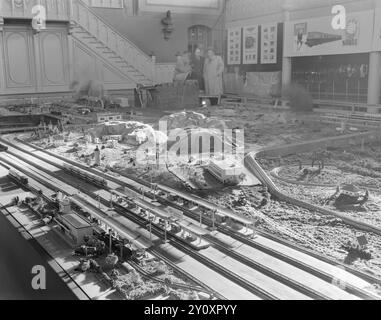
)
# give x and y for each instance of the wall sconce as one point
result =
(168, 25)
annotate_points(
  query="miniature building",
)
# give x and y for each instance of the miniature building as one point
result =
(74, 227)
(350, 190)
(106, 117)
(349, 194)
(114, 137)
(226, 171)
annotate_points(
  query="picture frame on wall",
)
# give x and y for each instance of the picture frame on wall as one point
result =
(269, 43)
(234, 45)
(250, 44)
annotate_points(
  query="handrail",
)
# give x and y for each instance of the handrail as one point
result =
(122, 46)
(113, 29)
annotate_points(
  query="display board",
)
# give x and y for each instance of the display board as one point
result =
(234, 46)
(316, 36)
(269, 40)
(250, 44)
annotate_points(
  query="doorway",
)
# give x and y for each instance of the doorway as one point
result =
(199, 36)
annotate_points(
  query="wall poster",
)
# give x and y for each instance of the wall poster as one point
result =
(234, 46)
(316, 36)
(269, 43)
(250, 44)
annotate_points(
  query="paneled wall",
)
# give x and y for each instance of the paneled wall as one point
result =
(48, 61)
(54, 9)
(32, 63)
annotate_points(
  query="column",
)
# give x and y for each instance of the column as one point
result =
(286, 61)
(374, 79)
(2, 68)
(286, 71)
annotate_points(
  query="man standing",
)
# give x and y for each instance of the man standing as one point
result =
(198, 62)
(183, 68)
(213, 70)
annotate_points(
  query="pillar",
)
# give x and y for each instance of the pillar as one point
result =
(374, 79)
(286, 71)
(286, 61)
(2, 68)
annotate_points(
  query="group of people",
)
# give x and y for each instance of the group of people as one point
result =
(206, 70)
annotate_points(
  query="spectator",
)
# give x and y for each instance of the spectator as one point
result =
(213, 70)
(183, 68)
(198, 62)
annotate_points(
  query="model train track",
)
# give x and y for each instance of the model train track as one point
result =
(9, 164)
(142, 222)
(66, 277)
(297, 263)
(298, 286)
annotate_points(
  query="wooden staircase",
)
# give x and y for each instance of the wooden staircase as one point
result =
(91, 30)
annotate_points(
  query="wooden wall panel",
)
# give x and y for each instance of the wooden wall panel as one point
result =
(53, 54)
(33, 63)
(19, 60)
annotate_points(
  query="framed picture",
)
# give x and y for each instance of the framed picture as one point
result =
(269, 43)
(234, 46)
(250, 44)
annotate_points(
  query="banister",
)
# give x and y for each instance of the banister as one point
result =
(145, 55)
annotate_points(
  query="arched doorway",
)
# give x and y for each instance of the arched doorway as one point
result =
(199, 36)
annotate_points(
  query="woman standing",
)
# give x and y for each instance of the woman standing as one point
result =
(213, 70)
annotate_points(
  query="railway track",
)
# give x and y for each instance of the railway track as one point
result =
(241, 281)
(263, 269)
(8, 164)
(279, 255)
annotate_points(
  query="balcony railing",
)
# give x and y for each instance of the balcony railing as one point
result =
(57, 10)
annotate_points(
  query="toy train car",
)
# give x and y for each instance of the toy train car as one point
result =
(85, 175)
(3, 148)
(18, 176)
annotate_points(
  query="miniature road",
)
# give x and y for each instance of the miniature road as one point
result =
(280, 290)
(227, 288)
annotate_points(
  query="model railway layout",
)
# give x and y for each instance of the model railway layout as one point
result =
(141, 213)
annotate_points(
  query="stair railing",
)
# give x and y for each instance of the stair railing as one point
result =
(84, 16)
